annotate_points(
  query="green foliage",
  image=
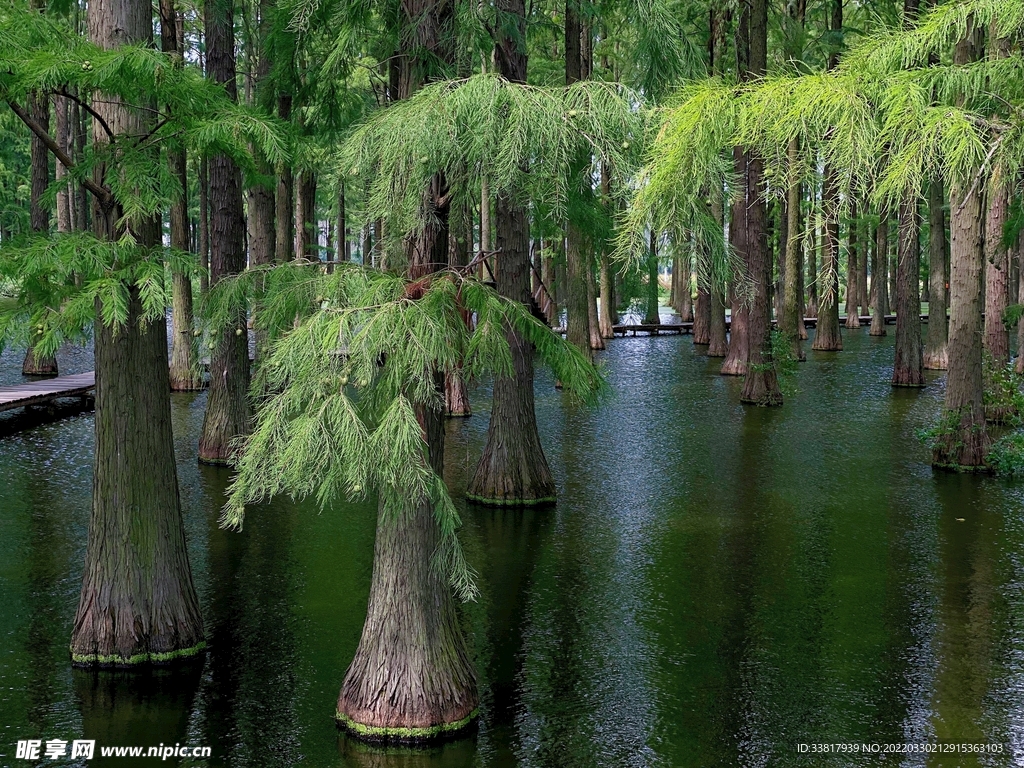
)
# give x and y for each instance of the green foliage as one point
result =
(62, 284)
(524, 137)
(1003, 394)
(356, 355)
(1006, 457)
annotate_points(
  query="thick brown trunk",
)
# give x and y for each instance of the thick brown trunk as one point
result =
(228, 413)
(513, 469)
(908, 365)
(790, 324)
(965, 442)
(997, 270)
(718, 344)
(879, 258)
(137, 604)
(935, 357)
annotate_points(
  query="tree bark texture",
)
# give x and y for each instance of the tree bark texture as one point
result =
(908, 365)
(306, 245)
(228, 412)
(935, 356)
(652, 315)
(997, 271)
(284, 198)
(702, 317)
(852, 271)
(735, 363)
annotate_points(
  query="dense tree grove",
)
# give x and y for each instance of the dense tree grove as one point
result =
(350, 211)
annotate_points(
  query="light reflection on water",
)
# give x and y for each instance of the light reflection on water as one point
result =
(715, 585)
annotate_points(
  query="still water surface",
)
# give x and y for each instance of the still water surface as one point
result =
(716, 585)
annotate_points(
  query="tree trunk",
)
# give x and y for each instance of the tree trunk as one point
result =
(204, 225)
(718, 344)
(908, 366)
(412, 678)
(185, 374)
(228, 413)
(39, 217)
(878, 260)
(852, 271)
(811, 310)
(828, 337)
(607, 309)
(685, 298)
(456, 396)
(284, 199)
(791, 288)
(65, 195)
(702, 319)
(965, 444)
(306, 245)
(938, 330)
(596, 339)
(862, 274)
(761, 385)
(1019, 364)
(138, 603)
(652, 316)
(997, 270)
(735, 363)
(513, 469)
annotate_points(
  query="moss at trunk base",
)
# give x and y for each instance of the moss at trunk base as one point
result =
(114, 660)
(547, 500)
(407, 735)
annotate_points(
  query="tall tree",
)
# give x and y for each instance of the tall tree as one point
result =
(513, 469)
(935, 356)
(761, 386)
(879, 258)
(185, 374)
(138, 603)
(828, 337)
(228, 412)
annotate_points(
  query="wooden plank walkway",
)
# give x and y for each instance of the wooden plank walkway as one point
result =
(655, 329)
(46, 390)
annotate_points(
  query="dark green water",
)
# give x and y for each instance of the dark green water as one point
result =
(716, 585)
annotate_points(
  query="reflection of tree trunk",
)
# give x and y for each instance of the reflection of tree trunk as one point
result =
(908, 367)
(938, 330)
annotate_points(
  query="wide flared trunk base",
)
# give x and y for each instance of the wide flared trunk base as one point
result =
(907, 377)
(407, 735)
(38, 365)
(936, 360)
(761, 388)
(964, 448)
(877, 326)
(186, 381)
(734, 366)
(130, 660)
(827, 339)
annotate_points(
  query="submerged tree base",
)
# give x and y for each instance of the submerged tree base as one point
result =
(405, 735)
(137, 660)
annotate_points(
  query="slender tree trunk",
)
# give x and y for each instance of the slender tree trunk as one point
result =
(138, 603)
(65, 195)
(652, 316)
(1019, 364)
(908, 367)
(718, 344)
(607, 309)
(456, 396)
(228, 413)
(935, 356)
(596, 339)
(878, 259)
(862, 274)
(828, 337)
(852, 270)
(305, 218)
(185, 374)
(36, 364)
(791, 288)
(811, 309)
(204, 225)
(284, 199)
(685, 296)
(735, 363)
(513, 469)
(997, 270)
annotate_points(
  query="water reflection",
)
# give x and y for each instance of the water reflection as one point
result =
(715, 585)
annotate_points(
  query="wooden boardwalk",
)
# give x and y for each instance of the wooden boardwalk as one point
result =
(656, 329)
(47, 390)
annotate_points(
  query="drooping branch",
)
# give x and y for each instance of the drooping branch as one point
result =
(102, 194)
(92, 112)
